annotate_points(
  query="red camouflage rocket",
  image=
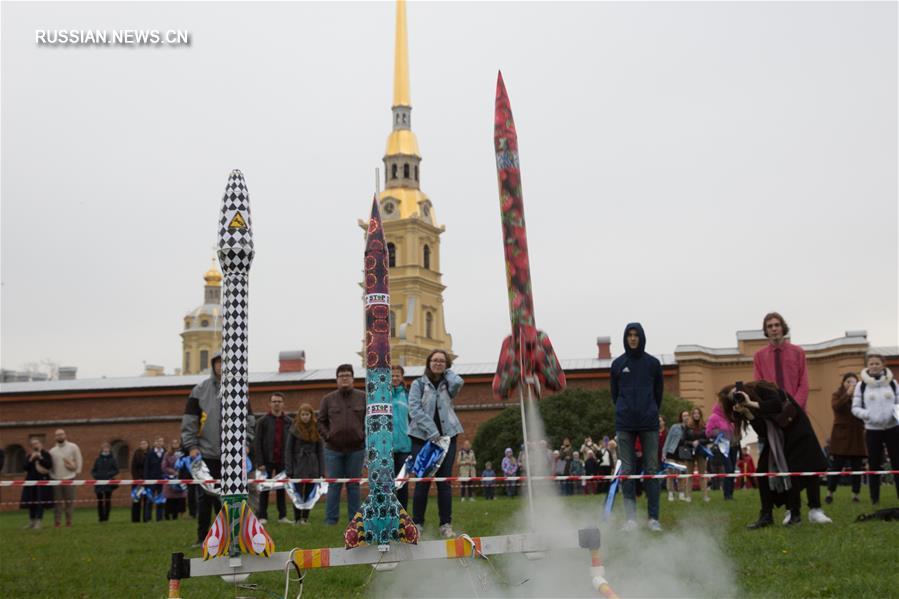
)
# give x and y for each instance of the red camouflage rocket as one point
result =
(527, 356)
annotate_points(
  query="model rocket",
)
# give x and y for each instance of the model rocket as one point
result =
(381, 518)
(236, 529)
(527, 356)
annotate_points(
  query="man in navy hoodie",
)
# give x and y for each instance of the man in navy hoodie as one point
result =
(637, 385)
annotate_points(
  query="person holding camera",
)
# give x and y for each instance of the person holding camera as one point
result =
(787, 440)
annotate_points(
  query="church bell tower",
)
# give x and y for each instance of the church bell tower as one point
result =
(410, 227)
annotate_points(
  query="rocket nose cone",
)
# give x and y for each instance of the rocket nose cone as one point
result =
(374, 223)
(375, 210)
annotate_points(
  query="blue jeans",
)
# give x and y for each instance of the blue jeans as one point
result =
(342, 465)
(444, 489)
(650, 442)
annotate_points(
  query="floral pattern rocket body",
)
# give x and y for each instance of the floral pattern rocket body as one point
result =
(381, 519)
(527, 356)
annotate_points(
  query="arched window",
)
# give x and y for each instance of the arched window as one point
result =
(429, 325)
(391, 255)
(406, 170)
(392, 323)
(120, 452)
(416, 172)
(393, 172)
(427, 257)
(204, 359)
(15, 460)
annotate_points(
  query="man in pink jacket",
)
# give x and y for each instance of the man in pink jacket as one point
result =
(782, 363)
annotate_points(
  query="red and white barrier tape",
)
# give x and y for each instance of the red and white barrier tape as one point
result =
(437, 479)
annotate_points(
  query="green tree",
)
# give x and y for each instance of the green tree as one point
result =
(574, 413)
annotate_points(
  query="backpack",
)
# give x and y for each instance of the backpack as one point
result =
(865, 385)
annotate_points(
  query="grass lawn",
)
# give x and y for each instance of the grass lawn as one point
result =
(704, 551)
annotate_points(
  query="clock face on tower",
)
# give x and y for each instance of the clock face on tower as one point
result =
(388, 208)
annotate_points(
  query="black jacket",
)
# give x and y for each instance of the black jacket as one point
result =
(265, 439)
(637, 386)
(153, 464)
(105, 468)
(801, 447)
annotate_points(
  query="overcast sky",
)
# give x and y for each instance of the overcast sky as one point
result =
(690, 166)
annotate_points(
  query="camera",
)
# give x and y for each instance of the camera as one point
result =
(738, 393)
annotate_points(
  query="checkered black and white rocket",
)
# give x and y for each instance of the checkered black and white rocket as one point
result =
(236, 530)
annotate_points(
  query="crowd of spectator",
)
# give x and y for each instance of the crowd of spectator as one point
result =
(331, 442)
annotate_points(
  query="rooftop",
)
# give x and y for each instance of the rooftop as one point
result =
(262, 378)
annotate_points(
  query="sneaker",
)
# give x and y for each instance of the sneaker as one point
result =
(654, 525)
(786, 518)
(421, 530)
(793, 520)
(446, 531)
(629, 526)
(688, 499)
(817, 516)
(706, 498)
(681, 496)
(471, 499)
(670, 495)
(197, 545)
(263, 520)
(828, 499)
(37, 525)
(285, 520)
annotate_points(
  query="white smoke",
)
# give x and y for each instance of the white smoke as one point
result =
(686, 560)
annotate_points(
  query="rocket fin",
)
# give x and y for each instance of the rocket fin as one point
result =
(546, 364)
(407, 531)
(508, 371)
(253, 538)
(218, 539)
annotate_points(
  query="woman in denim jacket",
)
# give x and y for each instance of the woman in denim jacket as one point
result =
(431, 411)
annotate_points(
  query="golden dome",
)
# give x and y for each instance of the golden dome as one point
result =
(213, 276)
(409, 203)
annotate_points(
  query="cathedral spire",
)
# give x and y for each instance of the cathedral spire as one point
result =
(401, 95)
(410, 228)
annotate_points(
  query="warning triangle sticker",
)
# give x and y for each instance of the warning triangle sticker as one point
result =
(237, 222)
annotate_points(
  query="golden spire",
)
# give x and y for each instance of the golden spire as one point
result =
(213, 277)
(401, 95)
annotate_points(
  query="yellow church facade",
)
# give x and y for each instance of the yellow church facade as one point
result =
(201, 336)
(417, 324)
